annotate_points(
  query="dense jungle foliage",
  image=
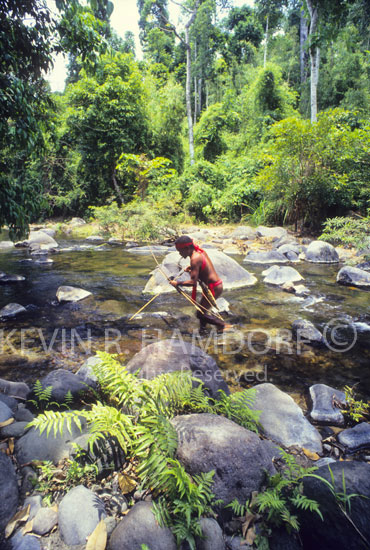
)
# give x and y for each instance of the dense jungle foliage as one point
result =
(239, 113)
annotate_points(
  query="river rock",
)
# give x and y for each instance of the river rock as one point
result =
(157, 249)
(212, 536)
(282, 419)
(35, 504)
(8, 490)
(14, 389)
(305, 332)
(336, 532)
(5, 412)
(49, 231)
(238, 456)
(16, 429)
(36, 446)
(86, 372)
(24, 542)
(278, 275)
(244, 233)
(39, 239)
(11, 402)
(75, 222)
(324, 409)
(353, 276)
(6, 245)
(177, 355)
(289, 247)
(273, 233)
(364, 265)
(44, 521)
(79, 513)
(231, 273)
(62, 382)
(11, 310)
(356, 438)
(22, 414)
(4, 278)
(140, 527)
(71, 294)
(265, 257)
(321, 252)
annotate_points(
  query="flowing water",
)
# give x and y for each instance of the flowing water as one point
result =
(259, 348)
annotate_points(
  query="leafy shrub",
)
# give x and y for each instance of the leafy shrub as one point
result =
(347, 231)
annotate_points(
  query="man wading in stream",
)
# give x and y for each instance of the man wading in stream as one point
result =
(201, 268)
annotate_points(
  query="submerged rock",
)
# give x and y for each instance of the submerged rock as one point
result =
(278, 275)
(238, 456)
(11, 310)
(326, 401)
(4, 278)
(282, 419)
(353, 276)
(321, 252)
(71, 294)
(305, 332)
(231, 273)
(175, 355)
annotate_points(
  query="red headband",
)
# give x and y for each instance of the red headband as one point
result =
(179, 246)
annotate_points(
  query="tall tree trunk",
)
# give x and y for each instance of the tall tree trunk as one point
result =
(314, 49)
(200, 85)
(195, 100)
(266, 41)
(303, 34)
(188, 95)
(120, 200)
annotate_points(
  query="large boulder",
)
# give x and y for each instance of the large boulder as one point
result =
(356, 438)
(337, 532)
(14, 389)
(325, 405)
(140, 527)
(39, 240)
(231, 273)
(278, 275)
(273, 233)
(265, 257)
(244, 233)
(78, 515)
(238, 456)
(8, 490)
(63, 381)
(178, 355)
(353, 276)
(71, 294)
(321, 252)
(283, 421)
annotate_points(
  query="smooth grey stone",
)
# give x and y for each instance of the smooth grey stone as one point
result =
(278, 275)
(157, 249)
(49, 231)
(324, 461)
(243, 233)
(44, 521)
(64, 381)
(86, 372)
(76, 222)
(356, 438)
(289, 247)
(324, 409)
(35, 503)
(353, 276)
(305, 332)
(238, 456)
(14, 389)
(6, 245)
(140, 527)
(24, 542)
(237, 543)
(212, 533)
(265, 257)
(95, 238)
(79, 513)
(336, 533)
(282, 419)
(71, 294)
(16, 429)
(5, 412)
(11, 402)
(39, 238)
(271, 232)
(175, 355)
(292, 256)
(231, 273)
(364, 265)
(22, 414)
(321, 252)
(8, 490)
(11, 310)
(36, 446)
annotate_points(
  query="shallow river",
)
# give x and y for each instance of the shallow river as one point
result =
(259, 348)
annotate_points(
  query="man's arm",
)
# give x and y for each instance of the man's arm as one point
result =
(194, 274)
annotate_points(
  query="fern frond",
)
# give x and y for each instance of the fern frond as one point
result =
(56, 421)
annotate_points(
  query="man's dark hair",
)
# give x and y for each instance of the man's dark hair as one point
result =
(184, 239)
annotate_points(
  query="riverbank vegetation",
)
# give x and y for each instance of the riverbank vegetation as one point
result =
(222, 121)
